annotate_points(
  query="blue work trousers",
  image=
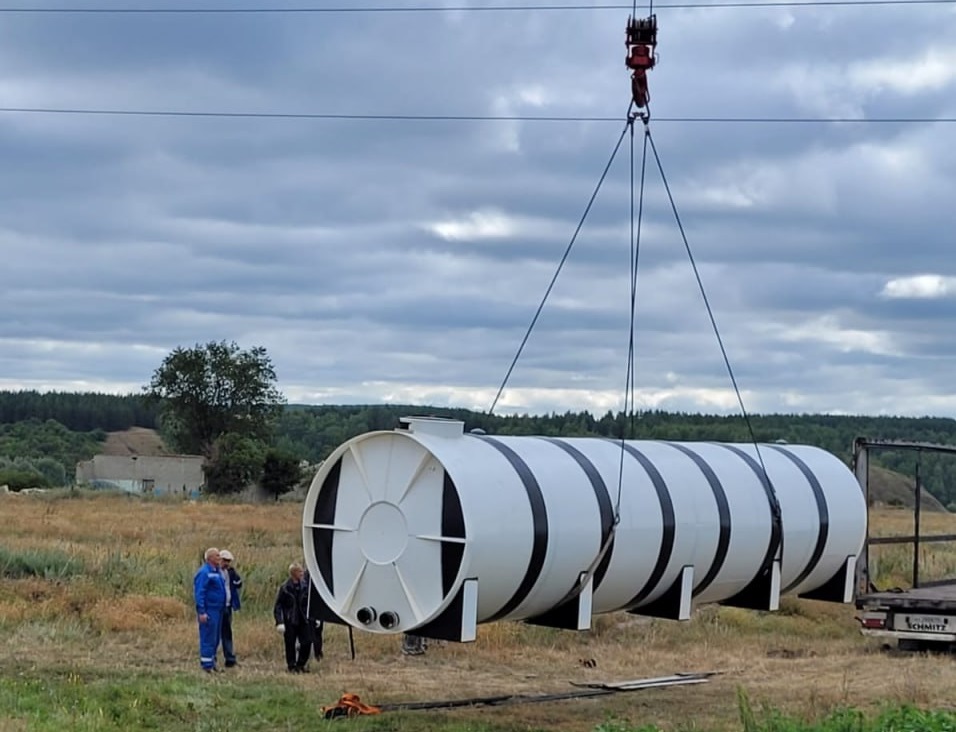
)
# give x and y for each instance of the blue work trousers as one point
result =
(209, 636)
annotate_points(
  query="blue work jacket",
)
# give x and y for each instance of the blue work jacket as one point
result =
(209, 590)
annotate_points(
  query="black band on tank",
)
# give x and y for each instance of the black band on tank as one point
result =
(453, 526)
(668, 525)
(822, 510)
(605, 507)
(539, 517)
(723, 515)
(325, 514)
(776, 528)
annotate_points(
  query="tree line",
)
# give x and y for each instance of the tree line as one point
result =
(80, 412)
(220, 401)
(315, 431)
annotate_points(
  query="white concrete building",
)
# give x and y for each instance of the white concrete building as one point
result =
(167, 474)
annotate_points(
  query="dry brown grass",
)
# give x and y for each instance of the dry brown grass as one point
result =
(899, 521)
(136, 613)
(892, 565)
(132, 607)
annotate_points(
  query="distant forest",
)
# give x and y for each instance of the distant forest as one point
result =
(80, 412)
(36, 426)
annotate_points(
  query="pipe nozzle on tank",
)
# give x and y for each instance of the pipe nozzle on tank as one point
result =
(388, 620)
(366, 615)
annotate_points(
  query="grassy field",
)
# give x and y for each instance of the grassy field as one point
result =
(97, 633)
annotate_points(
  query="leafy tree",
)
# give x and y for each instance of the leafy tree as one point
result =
(46, 448)
(52, 471)
(212, 390)
(236, 462)
(18, 479)
(280, 472)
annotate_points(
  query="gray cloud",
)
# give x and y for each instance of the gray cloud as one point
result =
(403, 261)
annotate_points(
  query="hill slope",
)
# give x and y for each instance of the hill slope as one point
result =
(889, 488)
(134, 441)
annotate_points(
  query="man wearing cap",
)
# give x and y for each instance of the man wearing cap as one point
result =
(233, 583)
(209, 591)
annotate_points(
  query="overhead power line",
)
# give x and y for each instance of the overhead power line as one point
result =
(458, 8)
(330, 116)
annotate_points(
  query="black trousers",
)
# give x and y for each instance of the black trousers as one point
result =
(298, 645)
(225, 629)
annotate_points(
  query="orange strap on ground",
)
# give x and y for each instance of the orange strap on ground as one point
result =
(348, 705)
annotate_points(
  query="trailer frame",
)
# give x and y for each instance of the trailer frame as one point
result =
(920, 617)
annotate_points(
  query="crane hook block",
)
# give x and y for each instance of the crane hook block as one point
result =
(641, 44)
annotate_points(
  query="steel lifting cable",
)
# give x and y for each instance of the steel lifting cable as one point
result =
(772, 494)
(629, 380)
(635, 249)
(629, 388)
(586, 575)
(635, 244)
(564, 258)
(634, 241)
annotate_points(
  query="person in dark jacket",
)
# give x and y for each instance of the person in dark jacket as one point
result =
(233, 586)
(209, 591)
(292, 620)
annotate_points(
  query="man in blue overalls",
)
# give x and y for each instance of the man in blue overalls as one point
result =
(210, 594)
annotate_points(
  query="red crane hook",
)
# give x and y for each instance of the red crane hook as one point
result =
(641, 44)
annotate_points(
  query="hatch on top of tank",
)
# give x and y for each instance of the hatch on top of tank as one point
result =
(438, 426)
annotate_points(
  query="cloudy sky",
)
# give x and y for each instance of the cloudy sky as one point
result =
(402, 261)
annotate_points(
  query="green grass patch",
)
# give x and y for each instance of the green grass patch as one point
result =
(187, 701)
(902, 719)
(897, 719)
(43, 563)
(194, 702)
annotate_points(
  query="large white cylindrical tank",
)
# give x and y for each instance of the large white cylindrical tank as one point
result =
(432, 530)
